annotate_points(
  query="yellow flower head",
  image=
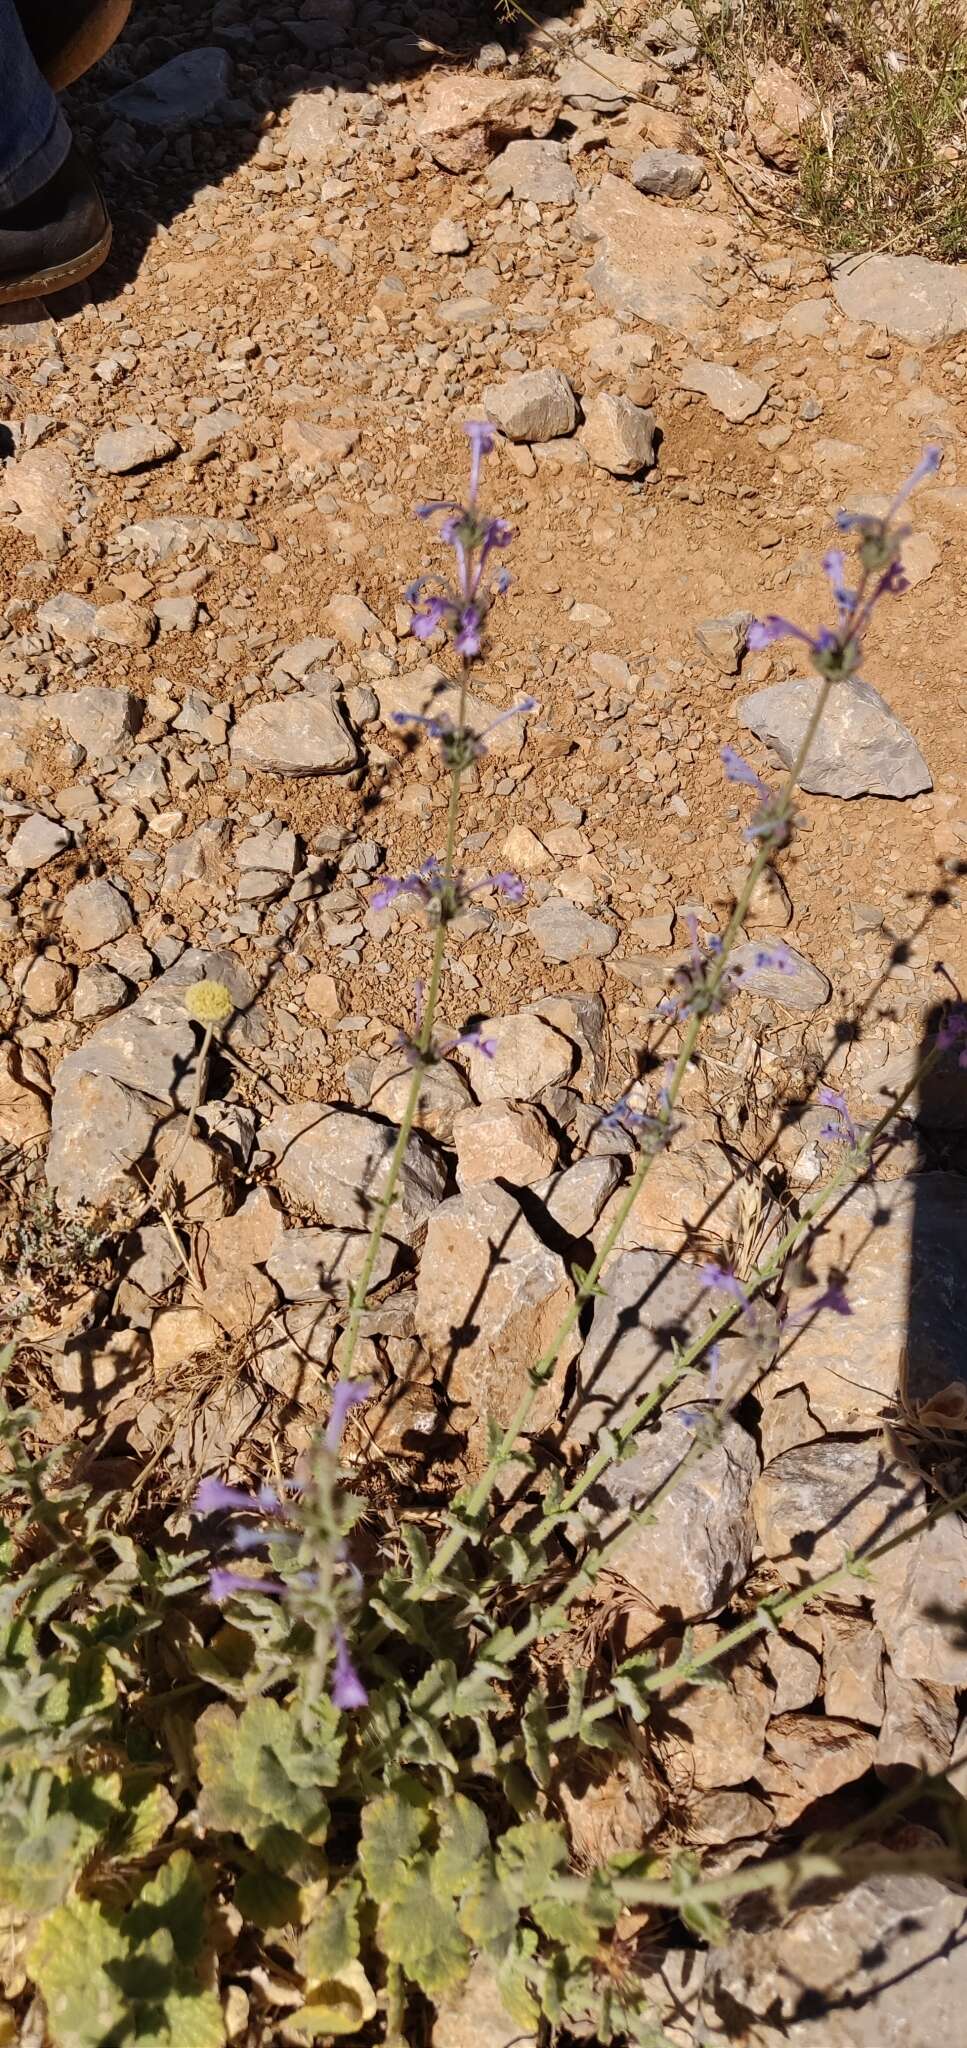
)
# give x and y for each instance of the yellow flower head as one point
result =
(209, 1002)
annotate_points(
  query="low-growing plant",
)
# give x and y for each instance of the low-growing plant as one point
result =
(262, 1779)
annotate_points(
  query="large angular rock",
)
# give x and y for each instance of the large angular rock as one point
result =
(528, 1056)
(335, 1163)
(135, 1071)
(861, 748)
(507, 1141)
(94, 913)
(36, 841)
(654, 262)
(539, 405)
(191, 87)
(467, 118)
(324, 1265)
(538, 171)
(713, 1736)
(618, 436)
(443, 1094)
(897, 1249)
(667, 173)
(603, 81)
(778, 108)
(566, 932)
(920, 1599)
(650, 1303)
(490, 1296)
(691, 1202)
(316, 126)
(815, 1504)
(810, 1756)
(882, 1965)
(100, 720)
(38, 488)
(301, 734)
(119, 450)
(919, 301)
(688, 1557)
(429, 693)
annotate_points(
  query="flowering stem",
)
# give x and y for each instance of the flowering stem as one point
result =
(357, 1304)
(541, 1371)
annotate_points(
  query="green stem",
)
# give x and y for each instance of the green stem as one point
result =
(451, 1544)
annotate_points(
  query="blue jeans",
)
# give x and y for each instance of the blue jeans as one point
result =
(34, 136)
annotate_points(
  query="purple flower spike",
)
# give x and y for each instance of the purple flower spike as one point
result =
(724, 1281)
(212, 1498)
(223, 1584)
(346, 1394)
(346, 1687)
(843, 1131)
(738, 770)
(775, 957)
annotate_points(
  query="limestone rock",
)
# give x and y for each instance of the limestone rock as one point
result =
(723, 640)
(713, 1736)
(528, 1056)
(443, 1094)
(100, 720)
(489, 1298)
(796, 1673)
(796, 985)
(24, 1114)
(178, 1334)
(696, 1548)
(875, 1959)
(816, 1503)
(475, 2012)
(575, 1198)
(920, 301)
(778, 108)
(618, 436)
(98, 992)
(68, 617)
(667, 173)
(852, 1669)
(36, 841)
(539, 405)
(566, 932)
(37, 487)
(809, 1757)
(94, 913)
(900, 1244)
(647, 1299)
(428, 692)
(536, 171)
(861, 748)
(335, 1163)
(919, 1728)
(655, 262)
(728, 391)
(602, 81)
(920, 1594)
(449, 237)
(312, 446)
(316, 126)
(324, 1265)
(690, 1203)
(467, 117)
(119, 450)
(301, 734)
(507, 1141)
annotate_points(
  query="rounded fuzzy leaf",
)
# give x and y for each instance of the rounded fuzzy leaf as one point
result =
(331, 1941)
(336, 2005)
(69, 1961)
(260, 1778)
(421, 1932)
(464, 1843)
(392, 1833)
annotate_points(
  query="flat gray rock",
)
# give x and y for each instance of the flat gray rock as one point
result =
(298, 735)
(135, 1071)
(695, 1550)
(566, 932)
(861, 748)
(158, 539)
(618, 436)
(35, 842)
(335, 1163)
(883, 1965)
(188, 88)
(667, 173)
(723, 640)
(919, 301)
(653, 261)
(100, 720)
(797, 985)
(728, 391)
(538, 171)
(121, 449)
(539, 405)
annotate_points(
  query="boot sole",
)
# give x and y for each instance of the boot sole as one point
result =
(41, 284)
(99, 31)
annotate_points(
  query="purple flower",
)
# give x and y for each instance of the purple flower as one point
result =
(212, 1498)
(346, 1394)
(843, 1131)
(482, 442)
(778, 958)
(738, 770)
(724, 1281)
(461, 607)
(223, 1584)
(346, 1687)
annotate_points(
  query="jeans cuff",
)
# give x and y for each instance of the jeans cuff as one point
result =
(33, 171)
